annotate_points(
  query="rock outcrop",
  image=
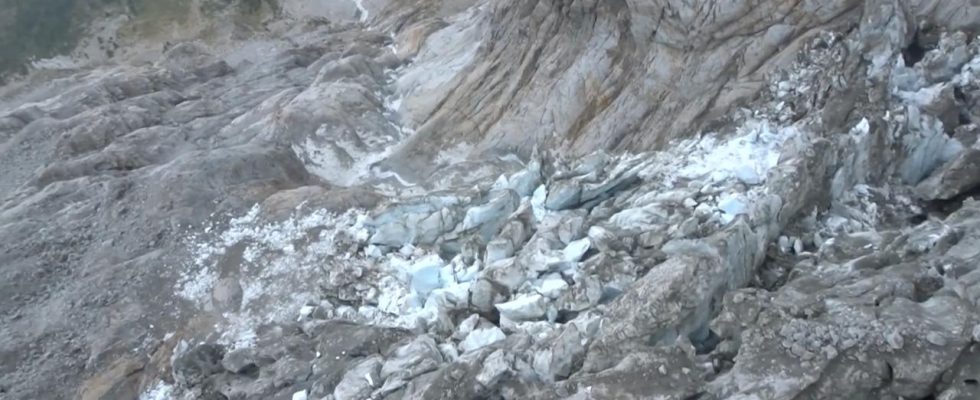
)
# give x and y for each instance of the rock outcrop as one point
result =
(517, 199)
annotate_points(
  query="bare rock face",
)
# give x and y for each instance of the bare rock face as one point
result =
(515, 199)
(959, 177)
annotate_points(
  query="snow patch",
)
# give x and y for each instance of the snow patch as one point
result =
(362, 10)
(160, 391)
(748, 156)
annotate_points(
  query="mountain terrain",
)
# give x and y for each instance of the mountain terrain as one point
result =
(514, 199)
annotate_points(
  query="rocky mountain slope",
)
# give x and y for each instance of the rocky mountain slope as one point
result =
(395, 199)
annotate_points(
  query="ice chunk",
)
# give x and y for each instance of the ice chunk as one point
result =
(468, 325)
(525, 182)
(457, 271)
(452, 297)
(496, 210)
(537, 202)
(731, 206)
(747, 174)
(576, 250)
(500, 183)
(748, 156)
(373, 251)
(499, 249)
(423, 275)
(563, 195)
(526, 308)
(481, 338)
(551, 286)
(448, 351)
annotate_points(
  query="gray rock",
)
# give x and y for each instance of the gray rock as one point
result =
(227, 294)
(360, 381)
(195, 365)
(953, 179)
(563, 195)
(239, 361)
(505, 273)
(562, 358)
(484, 294)
(571, 226)
(128, 179)
(415, 358)
(495, 367)
(667, 371)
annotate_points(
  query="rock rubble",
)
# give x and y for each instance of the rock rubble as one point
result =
(545, 199)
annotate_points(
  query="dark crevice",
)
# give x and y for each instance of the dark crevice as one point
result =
(918, 219)
(959, 95)
(915, 51)
(964, 118)
(943, 208)
(705, 344)
(926, 287)
(565, 316)
(774, 271)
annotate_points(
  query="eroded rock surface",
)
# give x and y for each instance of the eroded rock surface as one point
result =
(515, 199)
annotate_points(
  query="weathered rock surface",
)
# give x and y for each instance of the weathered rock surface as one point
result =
(516, 199)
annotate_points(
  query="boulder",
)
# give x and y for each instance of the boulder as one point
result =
(360, 381)
(955, 178)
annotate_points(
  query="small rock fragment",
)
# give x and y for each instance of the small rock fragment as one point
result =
(238, 361)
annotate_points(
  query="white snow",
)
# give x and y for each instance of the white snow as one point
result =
(748, 156)
(325, 160)
(160, 391)
(277, 278)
